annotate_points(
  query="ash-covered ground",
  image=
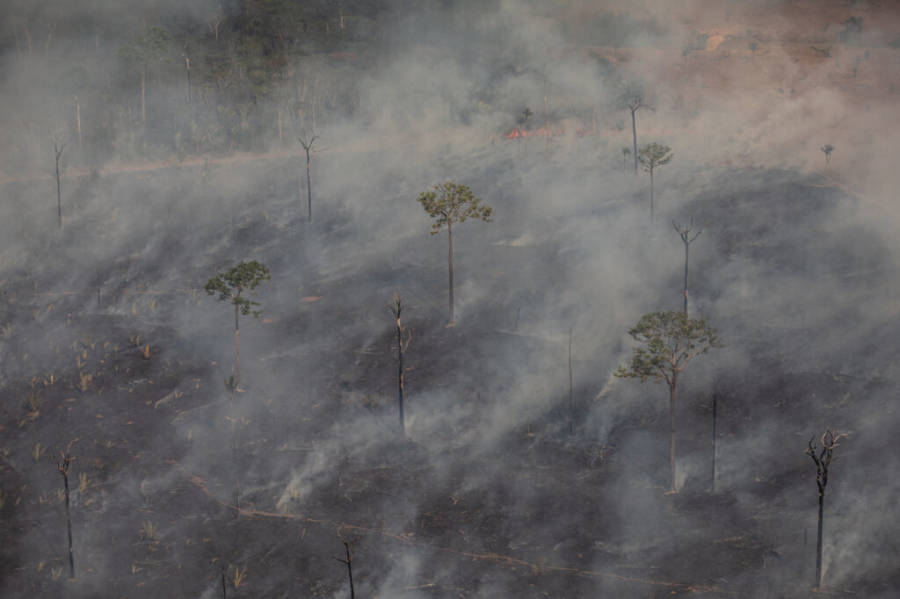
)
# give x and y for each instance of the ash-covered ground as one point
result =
(505, 485)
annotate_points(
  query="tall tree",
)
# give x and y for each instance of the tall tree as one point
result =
(822, 459)
(63, 466)
(449, 203)
(827, 149)
(404, 336)
(349, 563)
(58, 148)
(634, 105)
(308, 146)
(670, 342)
(144, 48)
(230, 286)
(684, 231)
(652, 156)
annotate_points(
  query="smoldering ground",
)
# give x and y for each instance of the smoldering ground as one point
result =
(504, 486)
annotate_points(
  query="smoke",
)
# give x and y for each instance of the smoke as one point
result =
(509, 482)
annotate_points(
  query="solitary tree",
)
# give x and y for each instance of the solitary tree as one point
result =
(404, 336)
(827, 149)
(634, 105)
(230, 287)
(652, 156)
(671, 340)
(349, 563)
(308, 146)
(58, 148)
(450, 203)
(626, 152)
(822, 459)
(684, 231)
(63, 466)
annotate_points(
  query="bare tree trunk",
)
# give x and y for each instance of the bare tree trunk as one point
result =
(634, 138)
(69, 527)
(349, 562)
(58, 196)
(819, 541)
(144, 95)
(63, 468)
(187, 67)
(78, 120)
(237, 349)
(308, 189)
(651, 195)
(450, 263)
(400, 370)
(58, 150)
(672, 487)
(687, 247)
(684, 231)
(224, 592)
(307, 147)
(571, 389)
(715, 447)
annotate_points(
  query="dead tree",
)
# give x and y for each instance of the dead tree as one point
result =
(715, 446)
(187, 68)
(308, 147)
(571, 389)
(58, 148)
(63, 467)
(78, 120)
(822, 459)
(684, 231)
(634, 105)
(404, 336)
(349, 562)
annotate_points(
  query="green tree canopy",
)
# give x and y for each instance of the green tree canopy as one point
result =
(670, 341)
(231, 284)
(654, 155)
(450, 203)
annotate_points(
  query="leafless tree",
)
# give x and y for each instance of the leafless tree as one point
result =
(684, 231)
(634, 105)
(62, 465)
(58, 147)
(404, 336)
(571, 388)
(308, 146)
(822, 459)
(349, 562)
(187, 68)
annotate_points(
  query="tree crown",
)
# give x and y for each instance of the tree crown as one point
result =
(671, 340)
(450, 202)
(653, 155)
(232, 283)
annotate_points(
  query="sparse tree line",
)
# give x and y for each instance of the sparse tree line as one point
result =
(667, 341)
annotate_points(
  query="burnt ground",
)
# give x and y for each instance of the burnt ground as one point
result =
(175, 485)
